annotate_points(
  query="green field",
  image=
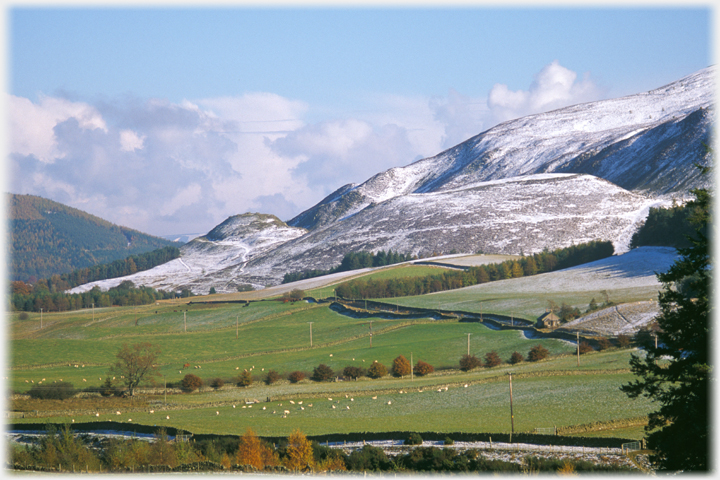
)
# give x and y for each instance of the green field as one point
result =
(225, 339)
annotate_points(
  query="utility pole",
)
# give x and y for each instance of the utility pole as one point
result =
(41, 318)
(185, 321)
(578, 348)
(468, 334)
(93, 309)
(310, 333)
(512, 418)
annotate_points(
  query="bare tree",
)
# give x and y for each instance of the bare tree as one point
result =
(135, 363)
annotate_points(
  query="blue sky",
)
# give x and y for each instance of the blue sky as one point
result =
(171, 119)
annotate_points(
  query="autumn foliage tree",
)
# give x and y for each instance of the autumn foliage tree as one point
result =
(536, 353)
(585, 347)
(423, 368)
(299, 453)
(492, 359)
(245, 379)
(252, 451)
(271, 377)
(401, 366)
(296, 376)
(468, 362)
(377, 370)
(191, 382)
(516, 357)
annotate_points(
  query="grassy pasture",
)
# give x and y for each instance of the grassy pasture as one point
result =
(484, 407)
(275, 335)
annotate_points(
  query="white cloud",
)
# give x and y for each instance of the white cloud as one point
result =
(173, 168)
(31, 125)
(130, 141)
(553, 87)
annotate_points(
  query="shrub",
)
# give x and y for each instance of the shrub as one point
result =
(353, 372)
(271, 377)
(54, 391)
(107, 389)
(414, 438)
(422, 368)
(538, 352)
(623, 341)
(492, 359)
(245, 379)
(296, 376)
(23, 316)
(191, 383)
(516, 357)
(448, 441)
(401, 367)
(604, 343)
(369, 459)
(585, 347)
(322, 373)
(468, 362)
(217, 383)
(377, 370)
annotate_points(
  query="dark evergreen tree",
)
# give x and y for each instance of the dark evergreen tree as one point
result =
(678, 431)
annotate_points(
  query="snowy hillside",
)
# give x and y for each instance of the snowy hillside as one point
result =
(586, 172)
(646, 142)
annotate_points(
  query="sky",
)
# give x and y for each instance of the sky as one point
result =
(171, 119)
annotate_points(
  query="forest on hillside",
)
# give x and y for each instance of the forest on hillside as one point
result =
(48, 238)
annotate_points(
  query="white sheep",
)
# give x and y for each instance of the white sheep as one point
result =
(292, 402)
(167, 417)
(286, 412)
(375, 397)
(333, 407)
(389, 402)
(348, 407)
(217, 413)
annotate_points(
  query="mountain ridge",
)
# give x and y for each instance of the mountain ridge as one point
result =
(584, 172)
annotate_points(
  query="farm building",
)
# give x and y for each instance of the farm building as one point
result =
(548, 320)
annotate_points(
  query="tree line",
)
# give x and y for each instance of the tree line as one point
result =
(545, 261)
(666, 227)
(353, 261)
(38, 297)
(60, 449)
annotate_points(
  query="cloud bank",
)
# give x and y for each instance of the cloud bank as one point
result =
(173, 168)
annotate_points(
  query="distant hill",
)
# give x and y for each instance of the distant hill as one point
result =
(49, 238)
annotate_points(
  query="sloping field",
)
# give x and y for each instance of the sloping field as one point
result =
(624, 319)
(625, 278)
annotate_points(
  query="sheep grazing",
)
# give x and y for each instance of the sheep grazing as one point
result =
(352, 399)
(84, 380)
(97, 414)
(237, 368)
(129, 419)
(375, 397)
(292, 402)
(346, 395)
(330, 399)
(300, 402)
(73, 420)
(273, 412)
(286, 412)
(466, 385)
(348, 407)
(389, 402)
(117, 413)
(331, 354)
(217, 413)
(333, 407)
(233, 406)
(302, 408)
(310, 405)
(244, 406)
(167, 417)
(263, 407)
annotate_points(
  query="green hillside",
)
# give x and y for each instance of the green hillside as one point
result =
(49, 238)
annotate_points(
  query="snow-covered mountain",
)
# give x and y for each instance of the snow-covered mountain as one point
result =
(586, 172)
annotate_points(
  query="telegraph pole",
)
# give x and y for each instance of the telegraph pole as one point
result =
(185, 321)
(310, 333)
(512, 418)
(41, 318)
(578, 348)
(468, 334)
(93, 309)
